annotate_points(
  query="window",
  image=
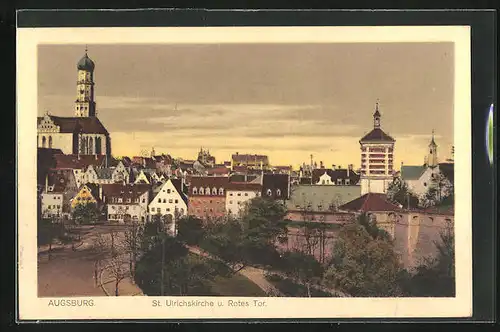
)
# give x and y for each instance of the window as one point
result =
(50, 142)
(339, 181)
(176, 201)
(158, 210)
(170, 200)
(214, 191)
(120, 200)
(195, 190)
(230, 194)
(278, 192)
(164, 200)
(159, 200)
(239, 194)
(230, 202)
(144, 200)
(322, 181)
(221, 191)
(207, 191)
(425, 184)
(201, 191)
(168, 191)
(246, 194)
(58, 206)
(153, 209)
(168, 209)
(347, 181)
(43, 141)
(269, 192)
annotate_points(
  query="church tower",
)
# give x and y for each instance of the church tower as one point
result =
(84, 103)
(432, 156)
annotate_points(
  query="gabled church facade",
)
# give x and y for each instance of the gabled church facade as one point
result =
(82, 134)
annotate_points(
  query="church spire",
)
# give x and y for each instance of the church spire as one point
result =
(376, 116)
(432, 156)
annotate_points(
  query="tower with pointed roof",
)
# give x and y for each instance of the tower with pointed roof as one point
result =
(377, 157)
(431, 159)
(84, 102)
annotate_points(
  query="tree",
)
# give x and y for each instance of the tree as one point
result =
(302, 268)
(84, 214)
(169, 269)
(117, 266)
(264, 219)
(399, 193)
(362, 265)
(190, 230)
(132, 244)
(100, 249)
(439, 189)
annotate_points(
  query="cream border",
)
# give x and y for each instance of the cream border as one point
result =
(31, 307)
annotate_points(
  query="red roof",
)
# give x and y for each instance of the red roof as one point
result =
(218, 170)
(371, 202)
(377, 134)
(73, 161)
(131, 191)
(89, 124)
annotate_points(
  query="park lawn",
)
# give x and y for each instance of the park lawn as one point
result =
(234, 284)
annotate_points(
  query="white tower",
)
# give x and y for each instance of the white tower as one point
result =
(432, 160)
(377, 156)
(85, 103)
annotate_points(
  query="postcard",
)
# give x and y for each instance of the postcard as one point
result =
(244, 172)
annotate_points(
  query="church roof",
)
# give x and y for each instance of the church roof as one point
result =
(90, 125)
(377, 134)
(86, 63)
(412, 172)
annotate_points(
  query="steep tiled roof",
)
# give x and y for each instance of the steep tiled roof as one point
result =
(412, 172)
(242, 177)
(377, 134)
(244, 186)
(73, 161)
(218, 170)
(178, 186)
(89, 124)
(274, 182)
(371, 202)
(208, 181)
(104, 173)
(336, 174)
(119, 190)
(62, 180)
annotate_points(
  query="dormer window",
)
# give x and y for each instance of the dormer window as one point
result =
(339, 181)
(195, 190)
(207, 191)
(278, 192)
(269, 192)
(221, 191)
(201, 191)
(214, 191)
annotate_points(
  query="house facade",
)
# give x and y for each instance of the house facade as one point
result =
(169, 200)
(127, 202)
(239, 194)
(207, 196)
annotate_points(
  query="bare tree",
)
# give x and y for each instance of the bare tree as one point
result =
(118, 269)
(132, 244)
(100, 248)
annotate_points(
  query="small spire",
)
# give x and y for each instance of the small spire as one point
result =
(86, 49)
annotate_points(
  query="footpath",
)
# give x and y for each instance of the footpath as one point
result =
(255, 275)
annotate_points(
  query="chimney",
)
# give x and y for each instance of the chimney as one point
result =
(321, 164)
(333, 166)
(237, 153)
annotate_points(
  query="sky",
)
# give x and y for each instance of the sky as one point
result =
(284, 100)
